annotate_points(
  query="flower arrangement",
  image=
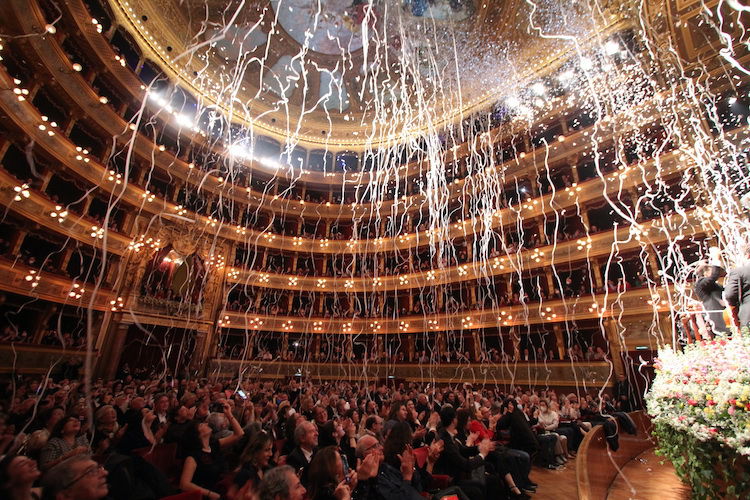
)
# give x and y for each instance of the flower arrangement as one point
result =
(700, 405)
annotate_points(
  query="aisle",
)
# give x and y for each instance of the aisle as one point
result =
(555, 484)
(649, 479)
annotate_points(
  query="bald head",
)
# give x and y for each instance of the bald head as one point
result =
(366, 444)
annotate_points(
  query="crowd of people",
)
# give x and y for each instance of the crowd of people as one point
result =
(284, 440)
(50, 337)
(371, 351)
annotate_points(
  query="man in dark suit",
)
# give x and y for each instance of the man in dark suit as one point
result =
(452, 461)
(709, 292)
(306, 437)
(737, 291)
(521, 435)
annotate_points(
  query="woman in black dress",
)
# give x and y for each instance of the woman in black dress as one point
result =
(205, 461)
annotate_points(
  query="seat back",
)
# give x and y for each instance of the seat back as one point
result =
(163, 457)
(420, 456)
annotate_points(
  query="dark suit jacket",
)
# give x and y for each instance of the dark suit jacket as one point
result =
(709, 292)
(452, 462)
(521, 435)
(737, 292)
(296, 459)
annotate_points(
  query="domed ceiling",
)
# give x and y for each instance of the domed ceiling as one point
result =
(350, 73)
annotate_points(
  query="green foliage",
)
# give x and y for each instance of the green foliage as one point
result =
(714, 471)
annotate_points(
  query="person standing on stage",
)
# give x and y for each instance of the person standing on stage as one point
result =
(737, 291)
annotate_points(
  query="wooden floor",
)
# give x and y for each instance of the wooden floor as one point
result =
(555, 484)
(644, 478)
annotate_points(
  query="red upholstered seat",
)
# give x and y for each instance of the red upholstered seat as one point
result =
(439, 481)
(164, 458)
(420, 456)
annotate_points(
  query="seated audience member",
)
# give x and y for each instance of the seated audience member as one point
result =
(398, 477)
(522, 437)
(366, 446)
(515, 462)
(453, 463)
(306, 437)
(291, 425)
(374, 427)
(107, 432)
(500, 466)
(281, 483)
(548, 423)
(49, 419)
(137, 430)
(17, 477)
(567, 428)
(205, 461)
(64, 442)
(180, 422)
(486, 414)
(548, 443)
(254, 462)
(330, 479)
(161, 411)
(75, 478)
(333, 433)
(320, 415)
(571, 413)
(397, 414)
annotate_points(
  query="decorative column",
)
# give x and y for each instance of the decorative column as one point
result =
(45, 180)
(5, 144)
(653, 266)
(550, 284)
(477, 345)
(86, 205)
(585, 219)
(111, 350)
(16, 241)
(65, 257)
(176, 191)
(113, 268)
(564, 127)
(473, 293)
(198, 359)
(597, 270)
(574, 171)
(615, 346)
(284, 344)
(410, 348)
(314, 349)
(559, 340)
(515, 338)
(542, 231)
(441, 343)
(41, 321)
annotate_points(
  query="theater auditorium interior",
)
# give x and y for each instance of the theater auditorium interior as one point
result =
(374, 249)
